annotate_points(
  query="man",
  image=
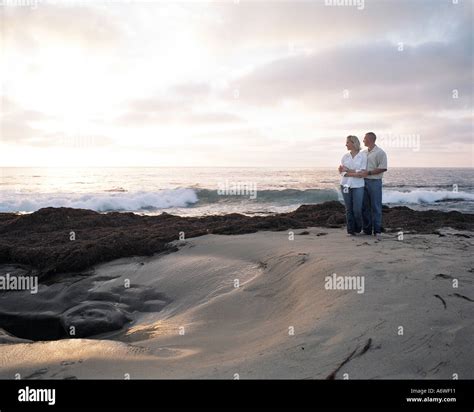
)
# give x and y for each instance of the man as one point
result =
(376, 166)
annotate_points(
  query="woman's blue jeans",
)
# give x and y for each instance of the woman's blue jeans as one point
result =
(353, 199)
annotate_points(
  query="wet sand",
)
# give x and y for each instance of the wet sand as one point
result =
(257, 306)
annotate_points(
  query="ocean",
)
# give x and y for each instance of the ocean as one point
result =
(207, 191)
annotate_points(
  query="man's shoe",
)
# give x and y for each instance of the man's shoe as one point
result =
(378, 236)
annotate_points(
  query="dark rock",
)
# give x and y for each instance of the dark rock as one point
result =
(33, 326)
(66, 301)
(91, 318)
(41, 239)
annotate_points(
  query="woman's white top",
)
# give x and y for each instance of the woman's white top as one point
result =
(357, 163)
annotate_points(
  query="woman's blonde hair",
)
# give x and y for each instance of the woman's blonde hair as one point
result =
(355, 141)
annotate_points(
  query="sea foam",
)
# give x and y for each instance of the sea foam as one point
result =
(101, 202)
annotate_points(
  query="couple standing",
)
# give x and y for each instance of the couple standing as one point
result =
(361, 185)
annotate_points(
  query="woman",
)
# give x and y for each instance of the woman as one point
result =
(352, 168)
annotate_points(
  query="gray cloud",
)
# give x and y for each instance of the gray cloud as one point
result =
(157, 118)
(175, 109)
(16, 122)
(88, 27)
(22, 127)
(192, 89)
(374, 74)
(255, 24)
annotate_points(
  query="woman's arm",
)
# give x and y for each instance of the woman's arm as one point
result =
(361, 168)
(353, 173)
(342, 167)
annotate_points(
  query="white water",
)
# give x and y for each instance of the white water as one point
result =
(194, 191)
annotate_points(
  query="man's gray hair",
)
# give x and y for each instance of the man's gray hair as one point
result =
(372, 136)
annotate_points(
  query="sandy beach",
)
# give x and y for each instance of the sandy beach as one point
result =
(257, 305)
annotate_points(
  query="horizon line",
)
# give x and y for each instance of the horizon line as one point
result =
(221, 167)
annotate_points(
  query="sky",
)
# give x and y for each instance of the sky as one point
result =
(234, 83)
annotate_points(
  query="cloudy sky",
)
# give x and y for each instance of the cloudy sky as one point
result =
(234, 83)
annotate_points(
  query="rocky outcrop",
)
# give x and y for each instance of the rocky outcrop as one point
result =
(56, 240)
